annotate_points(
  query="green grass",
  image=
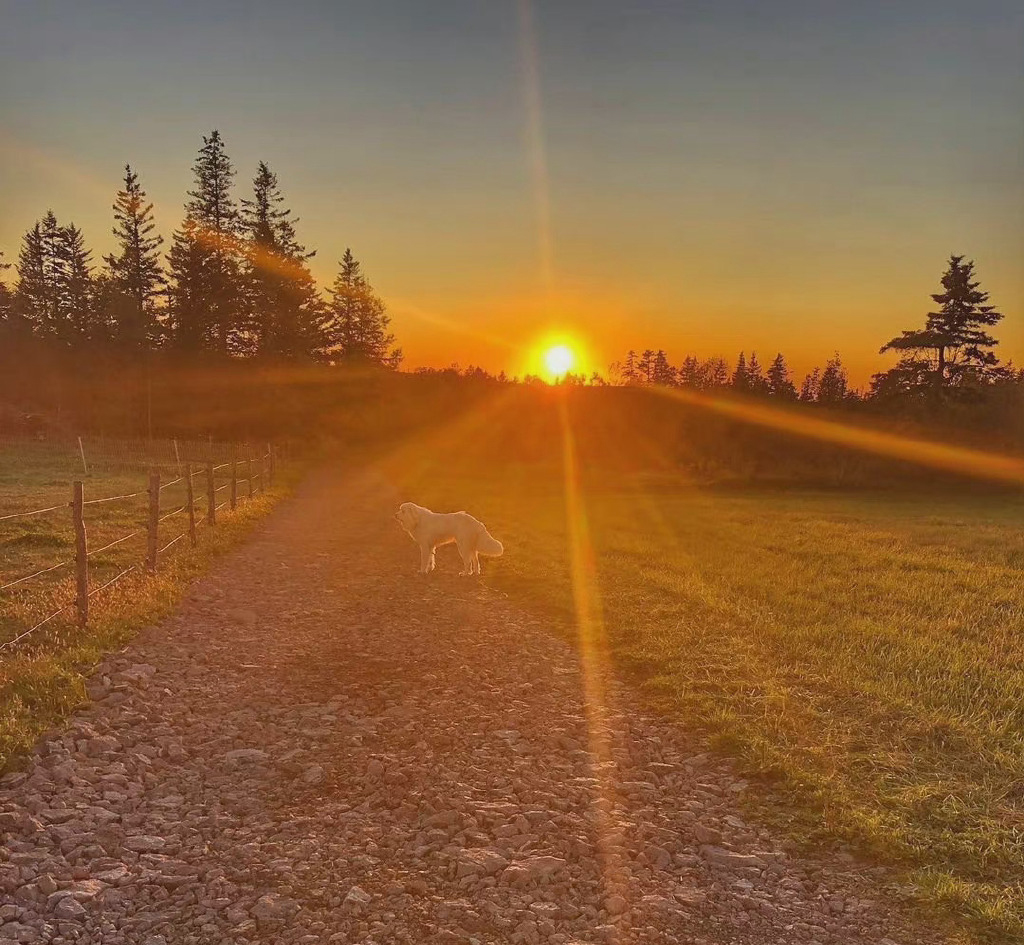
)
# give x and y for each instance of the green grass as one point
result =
(861, 653)
(42, 676)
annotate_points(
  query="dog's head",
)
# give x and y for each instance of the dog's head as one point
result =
(408, 516)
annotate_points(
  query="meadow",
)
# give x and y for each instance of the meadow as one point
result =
(858, 653)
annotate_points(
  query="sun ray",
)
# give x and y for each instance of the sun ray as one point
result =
(593, 655)
(957, 459)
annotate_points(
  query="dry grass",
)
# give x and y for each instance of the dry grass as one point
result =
(862, 653)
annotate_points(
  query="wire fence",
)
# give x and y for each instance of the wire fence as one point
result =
(199, 491)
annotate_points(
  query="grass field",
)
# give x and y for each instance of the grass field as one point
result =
(861, 652)
(41, 675)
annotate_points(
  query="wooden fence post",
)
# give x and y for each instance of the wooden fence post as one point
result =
(234, 483)
(248, 454)
(81, 452)
(154, 520)
(81, 553)
(190, 505)
(211, 496)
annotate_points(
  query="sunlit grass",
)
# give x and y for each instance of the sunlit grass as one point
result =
(862, 652)
(42, 677)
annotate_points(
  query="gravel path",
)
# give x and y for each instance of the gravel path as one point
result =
(321, 746)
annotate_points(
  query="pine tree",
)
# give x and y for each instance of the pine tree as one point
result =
(6, 302)
(186, 292)
(136, 279)
(756, 382)
(645, 366)
(714, 372)
(833, 387)
(662, 373)
(780, 386)
(283, 304)
(740, 382)
(955, 335)
(76, 312)
(630, 374)
(356, 323)
(205, 257)
(37, 294)
(689, 373)
(809, 388)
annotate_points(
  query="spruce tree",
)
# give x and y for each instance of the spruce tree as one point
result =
(355, 327)
(756, 382)
(689, 373)
(282, 301)
(76, 313)
(645, 366)
(740, 381)
(780, 386)
(208, 245)
(809, 388)
(662, 373)
(630, 374)
(136, 279)
(37, 294)
(833, 387)
(955, 337)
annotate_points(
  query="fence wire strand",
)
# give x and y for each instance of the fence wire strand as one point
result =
(52, 508)
(111, 544)
(45, 620)
(180, 508)
(113, 580)
(160, 551)
(113, 498)
(167, 485)
(28, 577)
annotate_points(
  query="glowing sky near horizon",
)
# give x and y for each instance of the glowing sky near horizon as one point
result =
(702, 177)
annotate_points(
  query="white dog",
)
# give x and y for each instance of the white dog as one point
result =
(431, 529)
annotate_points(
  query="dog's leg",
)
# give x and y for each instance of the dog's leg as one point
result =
(426, 559)
(467, 553)
(476, 562)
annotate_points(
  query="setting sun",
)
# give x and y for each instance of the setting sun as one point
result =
(558, 361)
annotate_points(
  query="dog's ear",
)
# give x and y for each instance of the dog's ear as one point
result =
(414, 514)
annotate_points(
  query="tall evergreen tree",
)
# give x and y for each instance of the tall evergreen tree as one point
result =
(955, 337)
(283, 304)
(206, 289)
(76, 312)
(355, 327)
(37, 294)
(833, 388)
(756, 382)
(809, 388)
(740, 381)
(780, 386)
(136, 279)
(6, 302)
(630, 374)
(662, 373)
(689, 373)
(645, 366)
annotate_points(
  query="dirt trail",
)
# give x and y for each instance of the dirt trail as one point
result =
(321, 746)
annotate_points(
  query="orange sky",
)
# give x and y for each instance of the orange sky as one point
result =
(703, 179)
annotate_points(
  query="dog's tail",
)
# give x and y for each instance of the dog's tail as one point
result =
(488, 545)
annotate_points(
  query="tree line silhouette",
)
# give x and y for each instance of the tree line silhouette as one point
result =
(235, 281)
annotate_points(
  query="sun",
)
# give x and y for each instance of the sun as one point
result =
(559, 360)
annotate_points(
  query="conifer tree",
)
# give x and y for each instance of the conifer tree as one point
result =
(630, 374)
(955, 337)
(136, 279)
(756, 382)
(662, 373)
(356, 323)
(76, 313)
(833, 387)
(208, 244)
(740, 382)
(689, 373)
(809, 388)
(37, 294)
(283, 304)
(645, 366)
(780, 386)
